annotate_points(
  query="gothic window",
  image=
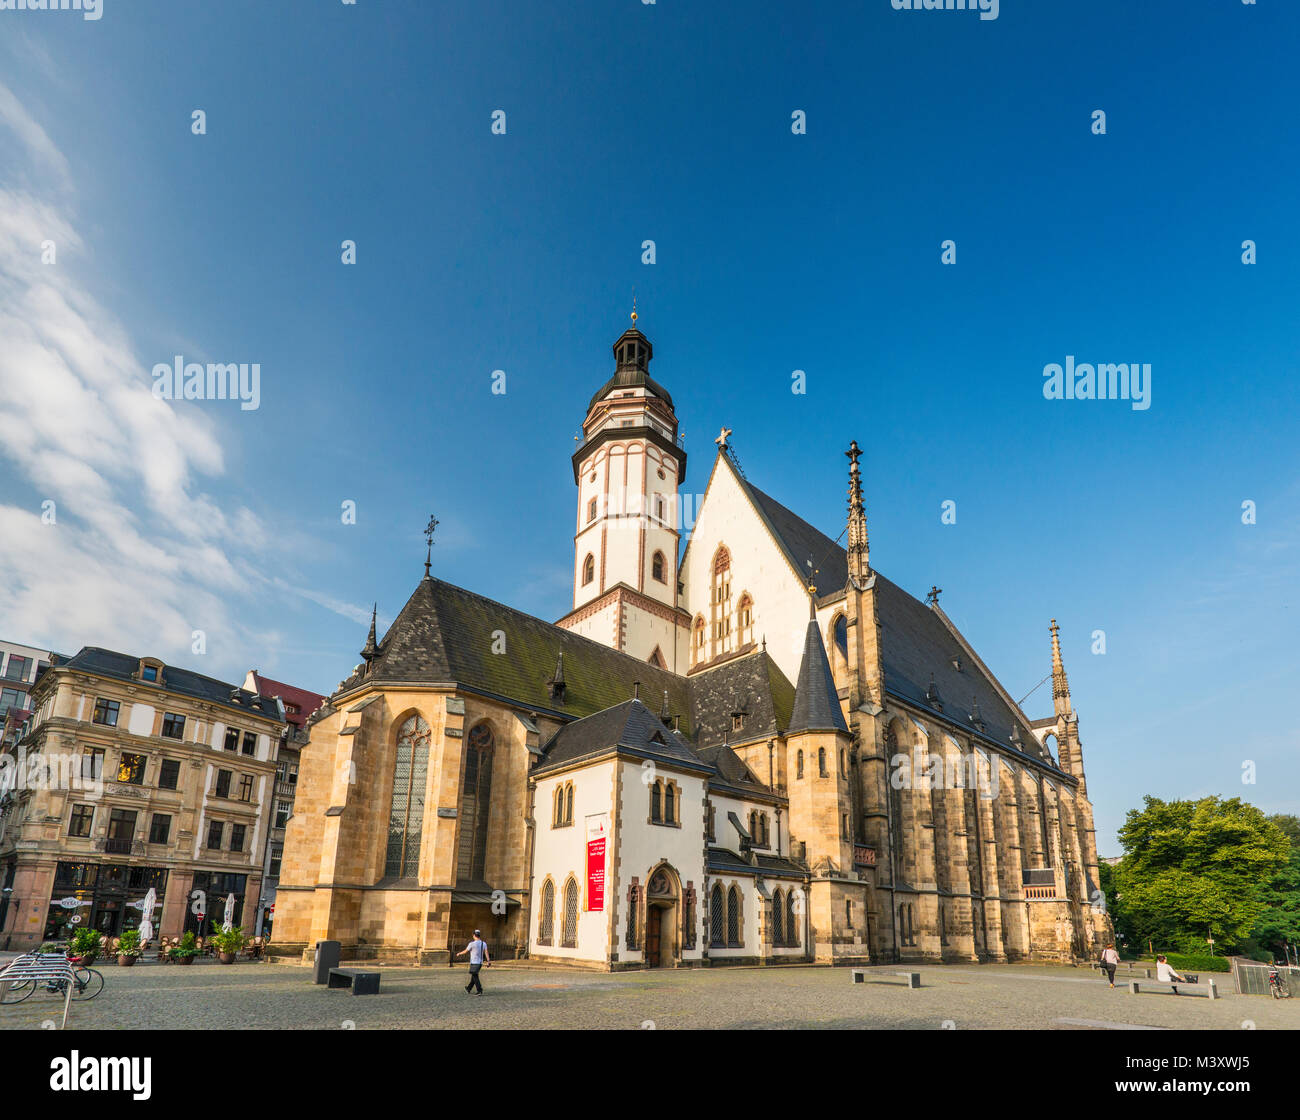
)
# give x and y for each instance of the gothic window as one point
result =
(670, 805)
(798, 773)
(791, 926)
(844, 765)
(570, 930)
(475, 800)
(546, 930)
(406, 813)
(840, 632)
(762, 821)
(721, 600)
(557, 812)
(591, 511)
(633, 901)
(568, 803)
(733, 917)
(699, 638)
(778, 915)
(745, 619)
(715, 915)
(656, 802)
(711, 819)
(821, 761)
(753, 826)
(657, 566)
(588, 569)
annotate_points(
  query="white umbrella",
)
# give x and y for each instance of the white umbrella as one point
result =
(146, 922)
(228, 921)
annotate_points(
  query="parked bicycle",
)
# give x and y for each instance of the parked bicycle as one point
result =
(87, 983)
(1277, 985)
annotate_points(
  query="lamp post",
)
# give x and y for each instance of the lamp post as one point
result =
(8, 893)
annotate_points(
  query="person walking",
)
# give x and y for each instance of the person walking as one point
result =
(1166, 975)
(478, 958)
(1110, 962)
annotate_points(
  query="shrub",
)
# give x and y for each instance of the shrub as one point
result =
(187, 948)
(86, 942)
(228, 940)
(1194, 962)
(128, 945)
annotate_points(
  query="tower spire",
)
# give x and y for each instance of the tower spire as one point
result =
(428, 537)
(1060, 684)
(858, 550)
(370, 648)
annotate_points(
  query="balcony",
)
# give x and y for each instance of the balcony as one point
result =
(116, 846)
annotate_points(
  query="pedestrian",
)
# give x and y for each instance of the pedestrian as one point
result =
(478, 958)
(1166, 975)
(1110, 961)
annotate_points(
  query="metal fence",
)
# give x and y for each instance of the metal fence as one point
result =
(1251, 977)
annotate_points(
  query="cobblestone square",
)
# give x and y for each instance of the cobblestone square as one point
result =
(519, 996)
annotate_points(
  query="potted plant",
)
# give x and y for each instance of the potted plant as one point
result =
(185, 952)
(86, 944)
(228, 942)
(128, 948)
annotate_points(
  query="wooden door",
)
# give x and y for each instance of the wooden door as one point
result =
(652, 920)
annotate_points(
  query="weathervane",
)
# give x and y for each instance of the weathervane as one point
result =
(428, 537)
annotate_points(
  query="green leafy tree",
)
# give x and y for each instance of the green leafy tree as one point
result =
(1278, 924)
(1197, 869)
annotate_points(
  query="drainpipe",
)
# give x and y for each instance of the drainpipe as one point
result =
(530, 822)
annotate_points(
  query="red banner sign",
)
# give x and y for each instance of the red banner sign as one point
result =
(596, 838)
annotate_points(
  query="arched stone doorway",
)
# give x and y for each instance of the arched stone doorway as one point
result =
(663, 918)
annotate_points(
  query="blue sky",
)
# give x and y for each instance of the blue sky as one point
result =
(775, 252)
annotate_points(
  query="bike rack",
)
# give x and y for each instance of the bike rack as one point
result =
(41, 968)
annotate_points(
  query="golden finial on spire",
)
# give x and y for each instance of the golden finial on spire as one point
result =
(634, 315)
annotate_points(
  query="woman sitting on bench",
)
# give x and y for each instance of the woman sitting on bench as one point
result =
(1166, 975)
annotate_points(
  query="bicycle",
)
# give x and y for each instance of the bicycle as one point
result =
(87, 983)
(1277, 986)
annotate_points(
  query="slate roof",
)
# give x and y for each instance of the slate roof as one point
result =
(752, 684)
(123, 667)
(917, 641)
(446, 634)
(629, 728)
(732, 775)
(816, 702)
(725, 860)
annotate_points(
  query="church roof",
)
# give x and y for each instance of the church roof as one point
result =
(816, 702)
(630, 728)
(917, 641)
(753, 686)
(445, 634)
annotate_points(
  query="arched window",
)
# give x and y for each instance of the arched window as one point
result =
(475, 800)
(745, 618)
(721, 600)
(656, 802)
(733, 917)
(406, 817)
(570, 930)
(699, 633)
(844, 826)
(657, 566)
(715, 915)
(840, 632)
(798, 773)
(712, 818)
(753, 825)
(844, 765)
(778, 916)
(821, 761)
(670, 805)
(762, 825)
(568, 803)
(791, 925)
(557, 813)
(588, 569)
(546, 927)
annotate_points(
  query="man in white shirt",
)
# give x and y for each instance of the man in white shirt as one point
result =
(478, 957)
(1165, 973)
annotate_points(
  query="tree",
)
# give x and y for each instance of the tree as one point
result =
(1278, 924)
(1198, 869)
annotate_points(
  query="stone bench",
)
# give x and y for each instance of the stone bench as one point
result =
(1171, 987)
(913, 979)
(361, 983)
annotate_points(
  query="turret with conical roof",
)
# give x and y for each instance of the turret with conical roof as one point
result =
(816, 702)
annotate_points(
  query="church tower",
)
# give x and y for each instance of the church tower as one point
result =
(628, 468)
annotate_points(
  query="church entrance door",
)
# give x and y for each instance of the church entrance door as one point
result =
(653, 920)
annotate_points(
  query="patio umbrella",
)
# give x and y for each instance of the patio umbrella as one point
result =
(228, 921)
(146, 921)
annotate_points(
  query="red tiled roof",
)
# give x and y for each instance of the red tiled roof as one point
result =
(306, 702)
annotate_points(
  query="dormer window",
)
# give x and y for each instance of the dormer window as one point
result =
(150, 670)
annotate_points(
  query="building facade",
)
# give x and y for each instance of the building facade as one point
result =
(131, 775)
(753, 748)
(19, 666)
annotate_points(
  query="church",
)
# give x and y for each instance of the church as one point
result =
(748, 746)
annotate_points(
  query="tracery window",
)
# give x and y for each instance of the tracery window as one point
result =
(546, 930)
(475, 802)
(778, 924)
(791, 925)
(721, 600)
(745, 618)
(715, 915)
(406, 812)
(733, 917)
(570, 930)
